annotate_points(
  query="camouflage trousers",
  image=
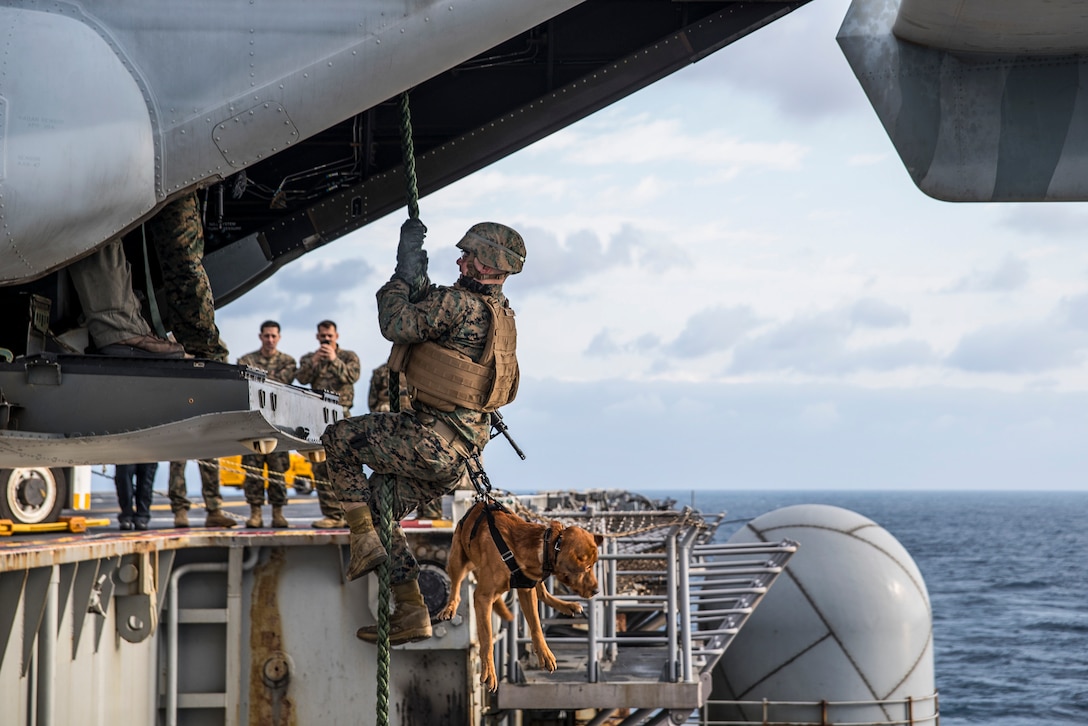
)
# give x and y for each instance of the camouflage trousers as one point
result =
(209, 487)
(179, 241)
(278, 462)
(416, 463)
(326, 497)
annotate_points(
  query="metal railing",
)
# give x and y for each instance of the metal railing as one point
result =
(893, 712)
(665, 590)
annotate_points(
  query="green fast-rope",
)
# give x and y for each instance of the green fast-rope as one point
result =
(385, 489)
(385, 533)
(409, 149)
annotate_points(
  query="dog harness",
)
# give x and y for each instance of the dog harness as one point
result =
(518, 579)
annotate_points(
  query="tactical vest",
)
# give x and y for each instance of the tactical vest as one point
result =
(445, 379)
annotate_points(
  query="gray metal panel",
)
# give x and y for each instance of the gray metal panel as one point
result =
(78, 150)
(37, 584)
(995, 26)
(90, 409)
(11, 593)
(123, 101)
(969, 126)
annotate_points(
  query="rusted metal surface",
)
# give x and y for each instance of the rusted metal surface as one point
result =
(28, 552)
(270, 667)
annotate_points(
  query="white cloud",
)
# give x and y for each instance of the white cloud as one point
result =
(866, 159)
(713, 330)
(1018, 348)
(1008, 275)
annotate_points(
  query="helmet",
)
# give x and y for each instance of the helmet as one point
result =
(495, 245)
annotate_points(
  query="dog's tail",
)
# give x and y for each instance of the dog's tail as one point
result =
(501, 610)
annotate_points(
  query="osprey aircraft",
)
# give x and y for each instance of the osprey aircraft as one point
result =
(286, 119)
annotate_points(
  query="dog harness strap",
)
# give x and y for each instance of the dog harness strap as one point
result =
(518, 579)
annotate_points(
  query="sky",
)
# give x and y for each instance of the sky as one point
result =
(732, 283)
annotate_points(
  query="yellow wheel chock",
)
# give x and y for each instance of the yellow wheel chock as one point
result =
(75, 525)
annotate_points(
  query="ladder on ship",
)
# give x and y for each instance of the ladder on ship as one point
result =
(671, 602)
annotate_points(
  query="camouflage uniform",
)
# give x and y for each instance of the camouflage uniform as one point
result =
(209, 486)
(405, 446)
(190, 308)
(279, 367)
(378, 397)
(338, 376)
(178, 236)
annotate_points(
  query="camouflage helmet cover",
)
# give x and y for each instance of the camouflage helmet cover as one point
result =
(495, 245)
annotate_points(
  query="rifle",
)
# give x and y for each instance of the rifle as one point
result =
(500, 428)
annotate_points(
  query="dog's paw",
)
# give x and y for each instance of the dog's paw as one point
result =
(570, 608)
(546, 659)
(489, 679)
(446, 613)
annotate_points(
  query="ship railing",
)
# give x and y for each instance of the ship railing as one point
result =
(909, 711)
(675, 606)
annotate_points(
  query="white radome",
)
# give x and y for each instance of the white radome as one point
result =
(849, 620)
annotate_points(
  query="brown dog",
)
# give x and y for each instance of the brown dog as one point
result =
(571, 554)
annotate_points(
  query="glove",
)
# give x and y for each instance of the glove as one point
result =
(411, 259)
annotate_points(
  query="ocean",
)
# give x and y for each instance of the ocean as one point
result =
(1007, 576)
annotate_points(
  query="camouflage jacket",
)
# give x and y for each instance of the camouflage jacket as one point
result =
(338, 376)
(279, 366)
(378, 397)
(453, 317)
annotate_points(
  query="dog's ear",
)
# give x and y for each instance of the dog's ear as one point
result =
(598, 539)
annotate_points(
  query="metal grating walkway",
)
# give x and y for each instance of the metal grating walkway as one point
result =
(671, 602)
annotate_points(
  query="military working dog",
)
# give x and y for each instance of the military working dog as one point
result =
(569, 553)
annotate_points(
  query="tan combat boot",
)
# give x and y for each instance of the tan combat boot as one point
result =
(278, 520)
(216, 518)
(328, 522)
(366, 547)
(410, 620)
(255, 520)
(181, 518)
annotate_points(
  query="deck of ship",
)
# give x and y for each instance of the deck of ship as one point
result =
(210, 612)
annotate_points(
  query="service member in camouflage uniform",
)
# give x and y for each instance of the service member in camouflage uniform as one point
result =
(178, 236)
(329, 368)
(279, 367)
(463, 332)
(377, 400)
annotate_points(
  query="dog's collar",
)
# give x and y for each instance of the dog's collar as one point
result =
(549, 566)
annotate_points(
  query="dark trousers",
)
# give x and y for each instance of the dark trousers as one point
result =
(134, 491)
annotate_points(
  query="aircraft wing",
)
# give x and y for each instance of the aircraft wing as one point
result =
(984, 100)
